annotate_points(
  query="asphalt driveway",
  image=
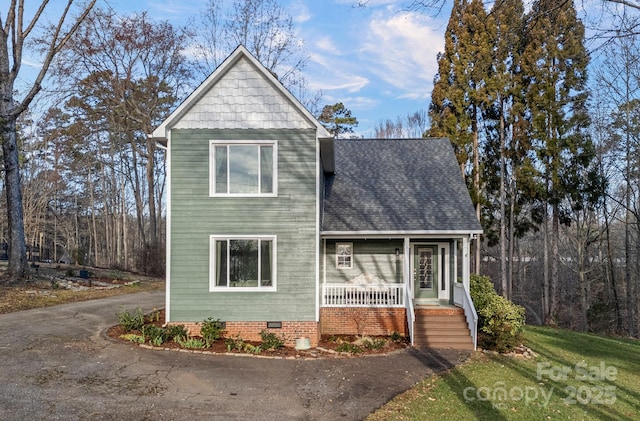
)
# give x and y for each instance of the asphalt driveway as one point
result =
(56, 363)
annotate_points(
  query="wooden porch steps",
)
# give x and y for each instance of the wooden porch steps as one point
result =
(441, 327)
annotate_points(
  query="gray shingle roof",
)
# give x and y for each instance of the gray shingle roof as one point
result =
(383, 185)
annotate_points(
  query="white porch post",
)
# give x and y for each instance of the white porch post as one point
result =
(406, 263)
(455, 262)
(408, 288)
(466, 272)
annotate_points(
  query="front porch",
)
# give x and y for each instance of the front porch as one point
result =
(406, 285)
(372, 311)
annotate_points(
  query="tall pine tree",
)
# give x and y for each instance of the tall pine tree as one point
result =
(555, 62)
(459, 92)
(507, 148)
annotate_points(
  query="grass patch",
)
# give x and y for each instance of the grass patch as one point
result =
(576, 376)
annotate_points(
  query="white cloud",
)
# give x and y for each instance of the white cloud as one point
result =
(299, 12)
(336, 80)
(332, 71)
(326, 45)
(401, 49)
(172, 8)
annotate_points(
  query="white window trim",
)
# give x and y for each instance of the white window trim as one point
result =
(350, 244)
(212, 169)
(212, 263)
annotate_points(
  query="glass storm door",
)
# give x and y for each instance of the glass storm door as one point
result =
(425, 271)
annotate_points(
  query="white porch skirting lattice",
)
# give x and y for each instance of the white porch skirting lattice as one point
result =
(349, 295)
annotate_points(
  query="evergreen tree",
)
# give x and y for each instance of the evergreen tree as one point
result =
(337, 119)
(459, 92)
(555, 64)
(507, 147)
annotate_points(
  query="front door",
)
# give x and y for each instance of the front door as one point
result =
(425, 271)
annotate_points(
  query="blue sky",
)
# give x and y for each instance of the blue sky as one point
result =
(379, 61)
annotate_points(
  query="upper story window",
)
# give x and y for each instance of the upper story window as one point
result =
(243, 168)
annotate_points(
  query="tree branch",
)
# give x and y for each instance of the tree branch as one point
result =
(57, 43)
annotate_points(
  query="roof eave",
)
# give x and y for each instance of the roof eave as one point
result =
(401, 234)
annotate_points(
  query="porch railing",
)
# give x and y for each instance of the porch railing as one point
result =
(461, 298)
(349, 295)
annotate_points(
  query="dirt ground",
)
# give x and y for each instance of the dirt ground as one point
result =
(51, 284)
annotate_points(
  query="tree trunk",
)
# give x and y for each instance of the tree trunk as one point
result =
(554, 279)
(503, 222)
(581, 251)
(153, 221)
(545, 263)
(476, 183)
(18, 266)
(611, 268)
(627, 244)
(137, 195)
(96, 258)
(512, 238)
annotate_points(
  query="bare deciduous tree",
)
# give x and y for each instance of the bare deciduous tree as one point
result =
(264, 27)
(134, 70)
(16, 29)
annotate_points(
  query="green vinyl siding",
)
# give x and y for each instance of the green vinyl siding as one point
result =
(373, 257)
(290, 217)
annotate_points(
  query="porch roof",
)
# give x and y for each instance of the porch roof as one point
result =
(397, 185)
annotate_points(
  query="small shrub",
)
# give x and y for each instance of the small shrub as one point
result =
(156, 335)
(349, 347)
(211, 330)
(132, 337)
(129, 321)
(271, 340)
(373, 343)
(176, 331)
(154, 316)
(158, 341)
(190, 342)
(234, 344)
(396, 336)
(253, 349)
(500, 321)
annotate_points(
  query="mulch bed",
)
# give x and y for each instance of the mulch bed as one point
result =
(327, 347)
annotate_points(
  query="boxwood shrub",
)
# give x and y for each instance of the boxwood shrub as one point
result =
(500, 322)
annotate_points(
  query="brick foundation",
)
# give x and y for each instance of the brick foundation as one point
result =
(363, 321)
(333, 321)
(250, 331)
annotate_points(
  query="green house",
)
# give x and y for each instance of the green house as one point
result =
(273, 224)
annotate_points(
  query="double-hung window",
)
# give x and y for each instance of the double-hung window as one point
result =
(243, 263)
(344, 255)
(243, 168)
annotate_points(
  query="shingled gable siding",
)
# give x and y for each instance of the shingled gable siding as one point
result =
(290, 217)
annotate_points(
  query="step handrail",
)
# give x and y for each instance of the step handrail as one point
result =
(411, 313)
(462, 298)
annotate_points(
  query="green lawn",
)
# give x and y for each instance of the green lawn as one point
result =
(576, 376)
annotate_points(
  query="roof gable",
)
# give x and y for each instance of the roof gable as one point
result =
(240, 94)
(399, 185)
